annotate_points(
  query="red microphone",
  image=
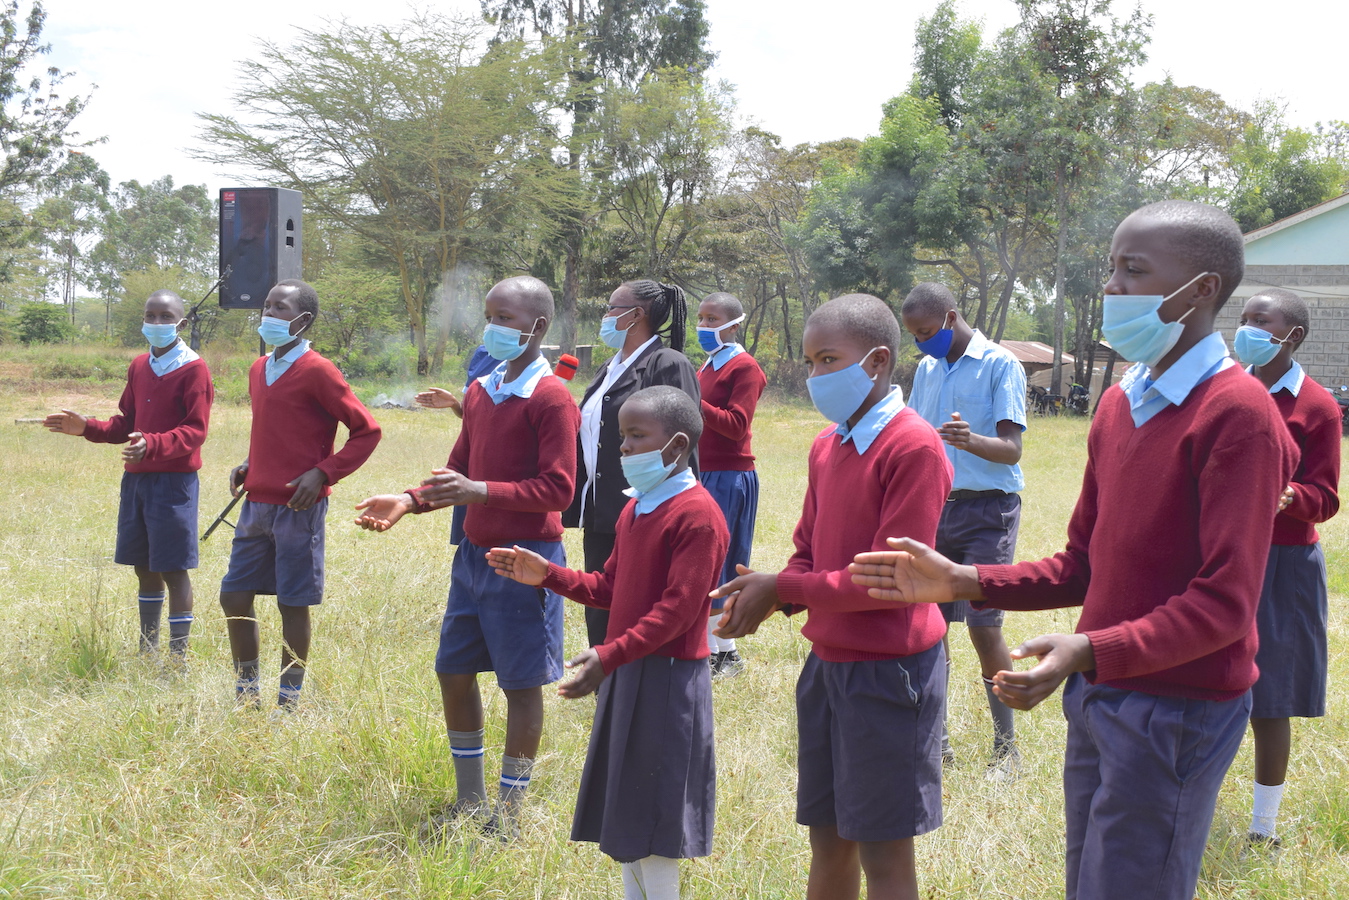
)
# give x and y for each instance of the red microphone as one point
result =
(566, 367)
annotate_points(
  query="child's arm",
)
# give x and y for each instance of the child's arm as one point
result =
(1316, 497)
(189, 435)
(557, 421)
(363, 434)
(1008, 401)
(382, 512)
(115, 430)
(527, 567)
(440, 398)
(733, 422)
(67, 421)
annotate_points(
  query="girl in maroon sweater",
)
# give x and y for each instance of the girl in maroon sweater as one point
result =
(649, 785)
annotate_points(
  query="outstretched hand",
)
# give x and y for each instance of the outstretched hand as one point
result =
(1059, 655)
(382, 512)
(912, 572)
(67, 421)
(518, 564)
(588, 677)
(751, 598)
(440, 398)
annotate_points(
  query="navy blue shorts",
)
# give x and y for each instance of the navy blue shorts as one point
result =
(157, 521)
(869, 745)
(493, 624)
(279, 550)
(1291, 620)
(1141, 775)
(737, 493)
(980, 531)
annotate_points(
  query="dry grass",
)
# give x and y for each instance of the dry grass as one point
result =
(118, 783)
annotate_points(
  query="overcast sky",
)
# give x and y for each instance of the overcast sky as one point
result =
(806, 71)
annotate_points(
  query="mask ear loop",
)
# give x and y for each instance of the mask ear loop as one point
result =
(668, 443)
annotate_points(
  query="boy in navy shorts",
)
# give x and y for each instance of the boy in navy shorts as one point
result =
(974, 393)
(298, 399)
(1186, 459)
(870, 698)
(731, 383)
(164, 413)
(1294, 606)
(513, 467)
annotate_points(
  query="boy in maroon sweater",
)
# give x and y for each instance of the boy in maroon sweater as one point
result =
(1294, 607)
(731, 383)
(869, 700)
(513, 468)
(648, 790)
(298, 399)
(1187, 457)
(165, 409)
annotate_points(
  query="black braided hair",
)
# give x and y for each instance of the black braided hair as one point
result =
(663, 301)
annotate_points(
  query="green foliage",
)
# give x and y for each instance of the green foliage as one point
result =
(1279, 171)
(42, 323)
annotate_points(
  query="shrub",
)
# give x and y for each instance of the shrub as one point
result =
(43, 323)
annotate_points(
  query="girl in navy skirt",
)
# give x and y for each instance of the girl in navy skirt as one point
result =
(648, 789)
(1291, 618)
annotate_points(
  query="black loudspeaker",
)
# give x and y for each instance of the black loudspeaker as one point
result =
(259, 243)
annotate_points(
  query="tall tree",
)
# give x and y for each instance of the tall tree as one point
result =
(437, 154)
(1277, 171)
(615, 43)
(66, 219)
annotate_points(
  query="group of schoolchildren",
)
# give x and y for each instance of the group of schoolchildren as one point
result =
(1197, 474)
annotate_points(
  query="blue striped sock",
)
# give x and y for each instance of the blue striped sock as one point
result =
(247, 682)
(180, 627)
(292, 680)
(466, 751)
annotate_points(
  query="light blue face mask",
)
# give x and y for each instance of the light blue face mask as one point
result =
(1131, 325)
(837, 395)
(503, 343)
(1257, 347)
(610, 332)
(276, 332)
(161, 336)
(646, 471)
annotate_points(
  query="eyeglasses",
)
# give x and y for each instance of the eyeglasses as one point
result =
(613, 309)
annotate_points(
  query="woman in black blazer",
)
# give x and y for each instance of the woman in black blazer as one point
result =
(639, 312)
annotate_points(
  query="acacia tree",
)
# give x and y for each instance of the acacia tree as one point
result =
(437, 153)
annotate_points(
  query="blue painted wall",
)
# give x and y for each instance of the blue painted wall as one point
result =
(1319, 241)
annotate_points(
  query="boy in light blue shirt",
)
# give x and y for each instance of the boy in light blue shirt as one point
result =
(974, 393)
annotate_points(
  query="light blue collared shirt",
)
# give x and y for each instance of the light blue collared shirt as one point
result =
(722, 355)
(1200, 363)
(869, 427)
(670, 487)
(523, 386)
(179, 355)
(986, 385)
(1290, 382)
(278, 367)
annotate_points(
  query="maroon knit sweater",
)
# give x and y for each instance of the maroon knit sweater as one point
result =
(656, 582)
(295, 423)
(729, 398)
(1167, 544)
(1313, 419)
(853, 503)
(172, 411)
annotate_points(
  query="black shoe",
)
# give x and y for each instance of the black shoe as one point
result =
(726, 664)
(1261, 844)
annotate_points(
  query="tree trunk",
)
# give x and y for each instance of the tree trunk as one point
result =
(1060, 306)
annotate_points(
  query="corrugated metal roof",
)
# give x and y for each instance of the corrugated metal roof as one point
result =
(1034, 352)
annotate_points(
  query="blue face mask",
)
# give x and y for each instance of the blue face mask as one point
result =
(1131, 325)
(504, 343)
(646, 471)
(275, 332)
(710, 338)
(1257, 347)
(161, 336)
(939, 344)
(837, 395)
(609, 330)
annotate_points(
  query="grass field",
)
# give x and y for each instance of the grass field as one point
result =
(116, 782)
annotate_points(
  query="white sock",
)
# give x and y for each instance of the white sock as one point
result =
(1265, 809)
(633, 888)
(661, 877)
(717, 644)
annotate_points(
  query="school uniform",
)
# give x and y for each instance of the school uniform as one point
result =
(599, 497)
(479, 364)
(870, 697)
(167, 399)
(519, 437)
(297, 402)
(649, 783)
(731, 383)
(1165, 555)
(982, 515)
(1294, 609)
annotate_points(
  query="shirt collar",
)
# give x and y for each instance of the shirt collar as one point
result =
(522, 386)
(278, 367)
(670, 487)
(1175, 384)
(177, 356)
(865, 432)
(722, 355)
(1291, 380)
(977, 346)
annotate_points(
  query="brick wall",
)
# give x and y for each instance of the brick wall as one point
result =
(1325, 353)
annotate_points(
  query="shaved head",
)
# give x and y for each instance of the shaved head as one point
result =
(164, 295)
(861, 318)
(1204, 236)
(533, 295)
